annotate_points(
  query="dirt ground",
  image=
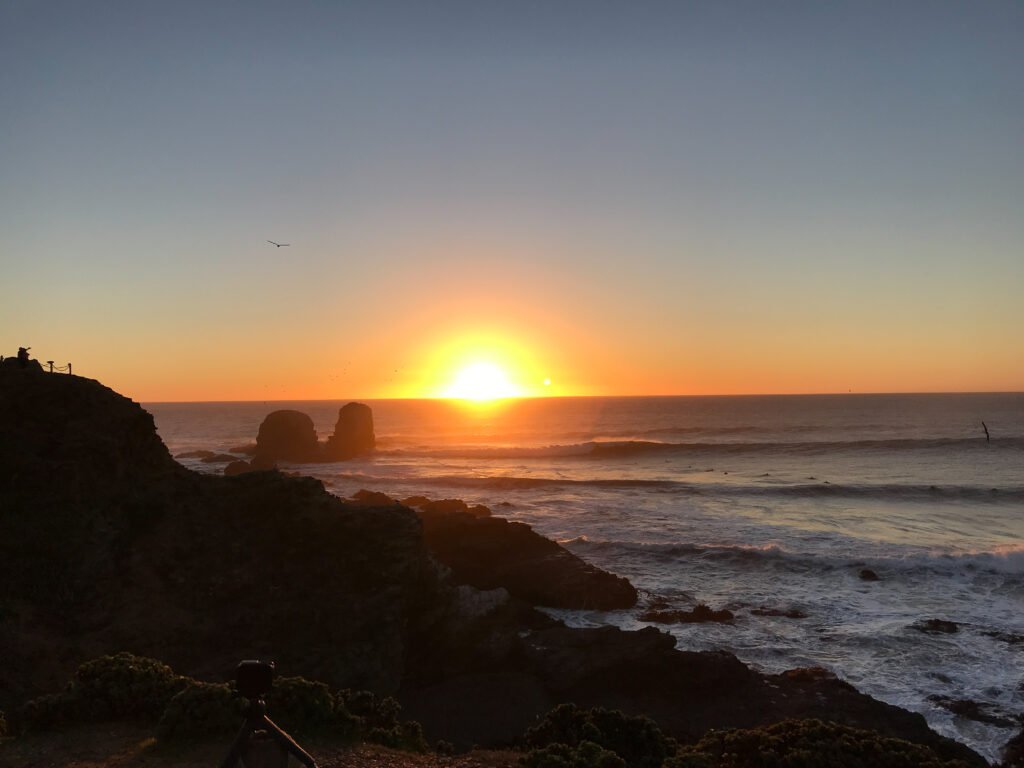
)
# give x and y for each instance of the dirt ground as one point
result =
(128, 746)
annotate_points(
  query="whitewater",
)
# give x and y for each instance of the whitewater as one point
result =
(760, 505)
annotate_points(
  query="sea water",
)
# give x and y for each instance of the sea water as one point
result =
(745, 503)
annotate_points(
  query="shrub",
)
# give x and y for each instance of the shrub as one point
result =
(50, 711)
(586, 754)
(378, 721)
(637, 740)
(806, 744)
(124, 685)
(202, 710)
(301, 705)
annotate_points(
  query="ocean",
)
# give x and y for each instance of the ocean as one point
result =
(767, 503)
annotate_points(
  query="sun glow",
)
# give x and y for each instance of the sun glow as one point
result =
(482, 381)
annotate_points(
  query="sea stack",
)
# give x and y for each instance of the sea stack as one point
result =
(287, 436)
(353, 433)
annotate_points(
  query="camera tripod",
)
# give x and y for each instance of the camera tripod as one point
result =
(246, 750)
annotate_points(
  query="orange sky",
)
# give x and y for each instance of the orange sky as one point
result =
(701, 198)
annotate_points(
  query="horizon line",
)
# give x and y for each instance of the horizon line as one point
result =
(494, 401)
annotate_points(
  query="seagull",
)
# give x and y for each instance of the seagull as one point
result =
(279, 245)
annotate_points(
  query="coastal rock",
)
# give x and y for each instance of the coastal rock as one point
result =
(238, 468)
(107, 543)
(195, 455)
(1013, 752)
(491, 552)
(788, 613)
(936, 626)
(973, 710)
(287, 436)
(353, 433)
(219, 458)
(698, 615)
(866, 574)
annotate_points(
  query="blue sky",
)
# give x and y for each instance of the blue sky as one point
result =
(695, 182)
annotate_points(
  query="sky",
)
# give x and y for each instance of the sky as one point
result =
(597, 198)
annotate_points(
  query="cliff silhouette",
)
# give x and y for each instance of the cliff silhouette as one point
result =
(107, 544)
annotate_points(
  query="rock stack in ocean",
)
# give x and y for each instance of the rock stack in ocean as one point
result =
(287, 436)
(353, 433)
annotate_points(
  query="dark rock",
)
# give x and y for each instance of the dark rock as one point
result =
(287, 436)
(1011, 638)
(1013, 752)
(353, 433)
(788, 613)
(247, 449)
(238, 468)
(26, 366)
(219, 458)
(443, 507)
(107, 543)
(936, 626)
(973, 710)
(195, 455)
(372, 499)
(490, 552)
(866, 574)
(415, 501)
(700, 614)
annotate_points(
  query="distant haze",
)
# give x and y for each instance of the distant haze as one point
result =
(596, 197)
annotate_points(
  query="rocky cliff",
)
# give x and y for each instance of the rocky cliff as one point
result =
(107, 544)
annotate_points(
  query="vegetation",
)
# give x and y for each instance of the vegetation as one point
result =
(124, 685)
(201, 710)
(127, 687)
(806, 744)
(568, 735)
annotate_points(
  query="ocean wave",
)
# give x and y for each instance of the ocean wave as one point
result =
(894, 492)
(1006, 560)
(610, 449)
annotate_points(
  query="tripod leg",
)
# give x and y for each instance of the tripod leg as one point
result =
(288, 743)
(231, 761)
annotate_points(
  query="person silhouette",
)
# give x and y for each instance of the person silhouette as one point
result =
(23, 356)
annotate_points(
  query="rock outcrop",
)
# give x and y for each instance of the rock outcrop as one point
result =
(108, 544)
(489, 552)
(287, 436)
(353, 434)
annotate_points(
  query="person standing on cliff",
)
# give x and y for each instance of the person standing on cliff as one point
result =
(23, 356)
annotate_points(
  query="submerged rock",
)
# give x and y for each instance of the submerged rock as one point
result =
(866, 574)
(698, 615)
(287, 436)
(353, 433)
(936, 626)
(788, 613)
(973, 710)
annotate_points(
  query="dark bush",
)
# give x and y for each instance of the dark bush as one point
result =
(378, 720)
(50, 711)
(637, 740)
(124, 685)
(806, 744)
(202, 710)
(301, 705)
(586, 754)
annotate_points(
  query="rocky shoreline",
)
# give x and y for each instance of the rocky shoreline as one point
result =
(107, 544)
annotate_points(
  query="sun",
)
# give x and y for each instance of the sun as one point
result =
(482, 381)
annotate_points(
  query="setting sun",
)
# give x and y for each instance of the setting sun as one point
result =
(482, 381)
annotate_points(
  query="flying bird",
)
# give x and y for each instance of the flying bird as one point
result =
(279, 245)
